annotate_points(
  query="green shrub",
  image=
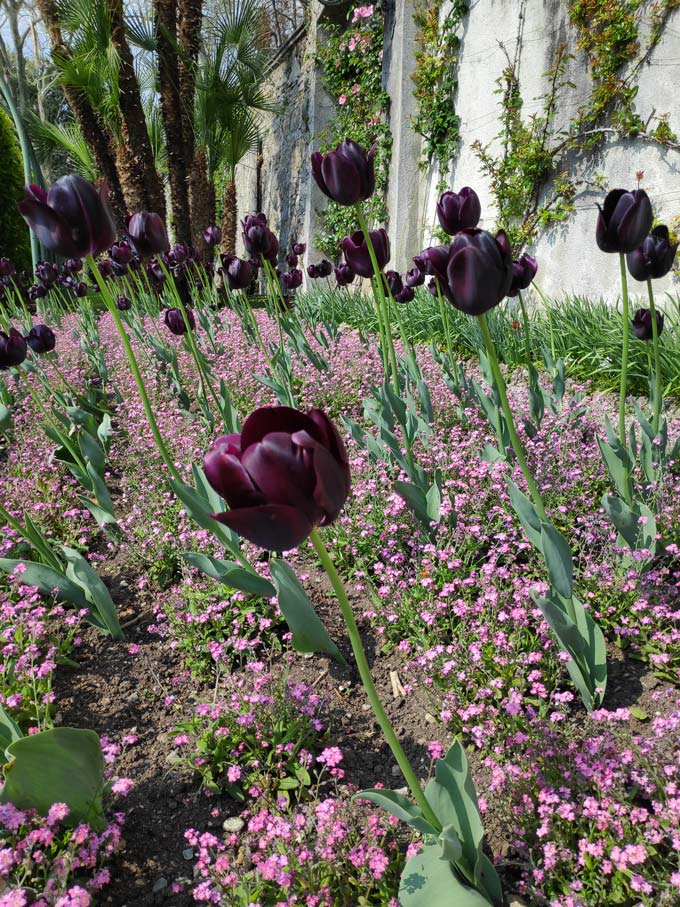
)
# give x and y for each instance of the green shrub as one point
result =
(14, 236)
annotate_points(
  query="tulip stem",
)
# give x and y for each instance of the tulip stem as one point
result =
(134, 368)
(507, 412)
(66, 441)
(381, 332)
(656, 418)
(369, 686)
(380, 301)
(624, 354)
(446, 322)
(527, 332)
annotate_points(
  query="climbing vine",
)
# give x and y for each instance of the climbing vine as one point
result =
(351, 62)
(435, 82)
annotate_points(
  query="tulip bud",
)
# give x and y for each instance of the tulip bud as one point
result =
(123, 303)
(459, 210)
(258, 239)
(624, 220)
(147, 233)
(292, 260)
(212, 236)
(299, 248)
(73, 219)
(344, 275)
(73, 265)
(356, 251)
(407, 294)
(523, 272)
(312, 271)
(394, 282)
(41, 339)
(655, 257)
(292, 280)
(345, 175)
(122, 253)
(415, 278)
(12, 349)
(325, 268)
(642, 324)
(174, 320)
(286, 473)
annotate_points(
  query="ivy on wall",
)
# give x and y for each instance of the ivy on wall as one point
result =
(351, 63)
(436, 80)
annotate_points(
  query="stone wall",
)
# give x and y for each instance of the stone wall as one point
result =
(528, 32)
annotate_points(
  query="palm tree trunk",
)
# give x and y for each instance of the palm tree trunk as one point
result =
(203, 202)
(140, 182)
(190, 17)
(165, 14)
(229, 219)
(94, 131)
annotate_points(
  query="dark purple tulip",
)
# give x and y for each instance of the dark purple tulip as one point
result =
(73, 265)
(407, 294)
(174, 320)
(312, 271)
(346, 175)
(122, 253)
(105, 268)
(356, 251)
(6, 268)
(344, 275)
(479, 271)
(624, 220)
(73, 219)
(433, 287)
(41, 339)
(459, 210)
(179, 253)
(47, 273)
(299, 248)
(394, 282)
(523, 272)
(642, 324)
(239, 273)
(147, 233)
(292, 260)
(415, 278)
(434, 261)
(212, 236)
(286, 473)
(655, 257)
(37, 291)
(325, 268)
(123, 303)
(258, 239)
(12, 348)
(80, 289)
(292, 280)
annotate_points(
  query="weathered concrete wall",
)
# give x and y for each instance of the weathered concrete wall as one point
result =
(494, 32)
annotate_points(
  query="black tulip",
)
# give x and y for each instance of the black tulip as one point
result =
(459, 210)
(147, 233)
(415, 278)
(479, 271)
(642, 324)
(239, 273)
(624, 220)
(41, 339)
(356, 251)
(394, 282)
(12, 349)
(523, 272)
(174, 321)
(346, 175)
(655, 257)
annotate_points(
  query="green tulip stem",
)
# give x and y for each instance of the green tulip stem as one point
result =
(134, 368)
(277, 296)
(50, 421)
(250, 316)
(507, 412)
(369, 686)
(624, 354)
(656, 418)
(380, 301)
(527, 330)
(446, 321)
(381, 331)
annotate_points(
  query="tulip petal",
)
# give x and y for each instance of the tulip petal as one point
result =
(49, 227)
(332, 484)
(230, 479)
(283, 471)
(317, 160)
(268, 419)
(635, 223)
(474, 283)
(328, 434)
(342, 178)
(274, 527)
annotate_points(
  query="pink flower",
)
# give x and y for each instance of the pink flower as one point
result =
(342, 100)
(123, 786)
(330, 757)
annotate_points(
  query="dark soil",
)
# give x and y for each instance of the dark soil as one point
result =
(117, 693)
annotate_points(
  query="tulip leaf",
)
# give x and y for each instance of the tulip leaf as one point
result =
(230, 574)
(558, 559)
(564, 628)
(526, 512)
(96, 593)
(5, 418)
(92, 452)
(448, 840)
(399, 806)
(647, 452)
(637, 525)
(491, 454)
(430, 879)
(9, 731)
(618, 466)
(198, 509)
(47, 579)
(61, 765)
(104, 518)
(309, 633)
(101, 492)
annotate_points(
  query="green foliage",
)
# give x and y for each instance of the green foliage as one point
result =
(435, 80)
(351, 61)
(14, 236)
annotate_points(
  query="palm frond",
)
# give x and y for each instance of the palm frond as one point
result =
(48, 137)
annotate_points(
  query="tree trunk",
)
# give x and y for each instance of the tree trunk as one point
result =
(203, 202)
(136, 166)
(94, 132)
(165, 14)
(229, 219)
(190, 18)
